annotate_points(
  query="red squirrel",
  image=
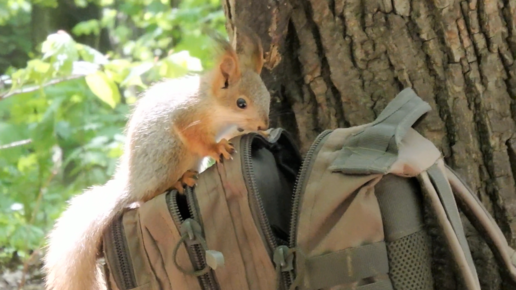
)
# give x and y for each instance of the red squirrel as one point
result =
(172, 128)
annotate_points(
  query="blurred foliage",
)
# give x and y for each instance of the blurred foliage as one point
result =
(63, 104)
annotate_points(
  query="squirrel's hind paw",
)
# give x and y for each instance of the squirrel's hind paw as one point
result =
(179, 187)
(189, 179)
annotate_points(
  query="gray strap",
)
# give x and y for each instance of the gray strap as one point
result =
(346, 266)
(402, 112)
(375, 149)
(448, 201)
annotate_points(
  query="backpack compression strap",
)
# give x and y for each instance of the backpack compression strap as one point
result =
(374, 149)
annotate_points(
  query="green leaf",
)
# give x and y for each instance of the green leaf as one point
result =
(136, 72)
(91, 55)
(103, 88)
(39, 66)
(63, 129)
(59, 48)
(42, 133)
(184, 59)
(27, 162)
(87, 27)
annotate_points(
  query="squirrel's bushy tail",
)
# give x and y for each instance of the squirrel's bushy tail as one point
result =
(71, 259)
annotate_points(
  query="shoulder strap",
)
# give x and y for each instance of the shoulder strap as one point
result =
(375, 149)
(445, 193)
(483, 222)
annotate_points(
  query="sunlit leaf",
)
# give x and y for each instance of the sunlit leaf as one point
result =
(103, 88)
(90, 54)
(136, 72)
(26, 162)
(60, 49)
(184, 59)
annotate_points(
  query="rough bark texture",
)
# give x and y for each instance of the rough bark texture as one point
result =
(337, 63)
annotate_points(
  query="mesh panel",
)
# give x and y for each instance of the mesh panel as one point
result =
(410, 262)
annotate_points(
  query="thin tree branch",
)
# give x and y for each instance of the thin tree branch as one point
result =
(27, 262)
(26, 265)
(35, 88)
(15, 144)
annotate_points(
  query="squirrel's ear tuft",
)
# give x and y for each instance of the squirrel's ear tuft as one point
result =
(227, 70)
(249, 48)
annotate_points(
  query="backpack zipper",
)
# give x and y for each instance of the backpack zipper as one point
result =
(124, 270)
(207, 280)
(246, 144)
(253, 191)
(298, 187)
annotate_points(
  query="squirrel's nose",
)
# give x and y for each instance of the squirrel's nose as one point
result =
(264, 126)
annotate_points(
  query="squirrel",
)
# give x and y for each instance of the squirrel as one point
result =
(172, 128)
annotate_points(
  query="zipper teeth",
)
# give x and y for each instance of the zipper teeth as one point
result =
(297, 186)
(127, 278)
(172, 206)
(197, 251)
(206, 279)
(296, 198)
(249, 173)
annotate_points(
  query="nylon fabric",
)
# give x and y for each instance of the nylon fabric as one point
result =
(346, 266)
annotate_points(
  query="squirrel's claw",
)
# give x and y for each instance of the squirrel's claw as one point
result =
(189, 179)
(224, 149)
(179, 187)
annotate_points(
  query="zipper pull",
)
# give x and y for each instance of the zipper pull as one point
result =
(284, 258)
(191, 229)
(191, 234)
(214, 259)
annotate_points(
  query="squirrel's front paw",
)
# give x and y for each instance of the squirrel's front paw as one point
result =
(223, 150)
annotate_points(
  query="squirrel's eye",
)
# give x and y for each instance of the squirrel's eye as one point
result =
(241, 103)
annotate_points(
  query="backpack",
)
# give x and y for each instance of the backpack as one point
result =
(359, 211)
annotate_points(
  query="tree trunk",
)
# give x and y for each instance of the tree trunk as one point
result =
(337, 63)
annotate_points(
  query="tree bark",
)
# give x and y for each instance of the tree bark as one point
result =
(337, 63)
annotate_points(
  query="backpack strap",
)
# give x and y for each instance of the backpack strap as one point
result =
(444, 190)
(374, 149)
(344, 267)
(483, 222)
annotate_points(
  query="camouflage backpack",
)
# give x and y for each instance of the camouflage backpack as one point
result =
(354, 213)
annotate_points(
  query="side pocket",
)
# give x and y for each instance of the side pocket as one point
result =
(127, 262)
(117, 255)
(408, 244)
